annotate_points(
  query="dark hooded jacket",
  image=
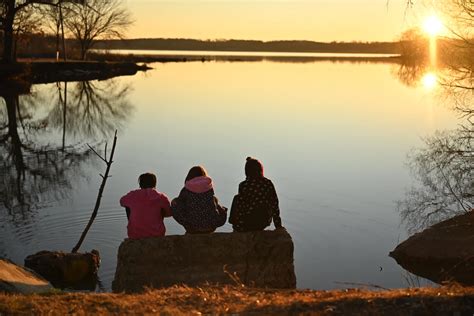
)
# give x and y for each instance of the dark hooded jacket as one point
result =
(256, 204)
(197, 208)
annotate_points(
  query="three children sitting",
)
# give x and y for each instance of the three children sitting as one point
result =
(197, 208)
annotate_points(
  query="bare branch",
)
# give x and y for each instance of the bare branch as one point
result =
(97, 154)
(99, 197)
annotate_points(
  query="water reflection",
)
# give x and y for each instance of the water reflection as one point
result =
(443, 168)
(410, 74)
(429, 80)
(89, 109)
(35, 169)
(444, 171)
(417, 74)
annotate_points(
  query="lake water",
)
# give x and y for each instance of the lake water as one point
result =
(333, 136)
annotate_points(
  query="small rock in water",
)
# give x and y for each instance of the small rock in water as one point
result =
(66, 270)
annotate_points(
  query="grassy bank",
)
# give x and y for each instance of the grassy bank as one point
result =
(236, 300)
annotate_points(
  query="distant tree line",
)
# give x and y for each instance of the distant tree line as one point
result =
(250, 45)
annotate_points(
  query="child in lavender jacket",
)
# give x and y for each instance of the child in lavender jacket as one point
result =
(196, 207)
(146, 209)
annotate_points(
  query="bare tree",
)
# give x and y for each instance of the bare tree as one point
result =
(461, 18)
(414, 45)
(9, 13)
(26, 22)
(98, 19)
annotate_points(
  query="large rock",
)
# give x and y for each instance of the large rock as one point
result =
(16, 279)
(260, 259)
(66, 270)
(442, 253)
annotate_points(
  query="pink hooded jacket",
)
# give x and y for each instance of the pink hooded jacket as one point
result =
(199, 184)
(148, 208)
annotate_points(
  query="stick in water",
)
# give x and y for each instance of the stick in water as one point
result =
(108, 162)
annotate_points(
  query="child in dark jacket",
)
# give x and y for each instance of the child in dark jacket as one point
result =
(256, 204)
(196, 207)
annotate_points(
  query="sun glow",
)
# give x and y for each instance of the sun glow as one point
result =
(432, 25)
(429, 81)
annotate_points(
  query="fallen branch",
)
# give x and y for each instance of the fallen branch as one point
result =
(108, 162)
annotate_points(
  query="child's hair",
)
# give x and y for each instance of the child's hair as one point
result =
(194, 172)
(253, 168)
(147, 181)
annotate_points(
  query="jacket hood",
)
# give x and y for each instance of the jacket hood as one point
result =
(199, 184)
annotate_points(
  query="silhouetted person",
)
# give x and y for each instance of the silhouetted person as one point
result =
(146, 208)
(196, 207)
(256, 204)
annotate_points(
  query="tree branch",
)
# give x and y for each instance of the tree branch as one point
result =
(99, 197)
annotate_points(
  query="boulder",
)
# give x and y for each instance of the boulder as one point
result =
(442, 253)
(259, 259)
(66, 270)
(16, 279)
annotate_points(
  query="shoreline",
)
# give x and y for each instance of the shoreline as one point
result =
(35, 71)
(182, 300)
(163, 58)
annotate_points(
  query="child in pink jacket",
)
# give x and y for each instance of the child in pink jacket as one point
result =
(146, 209)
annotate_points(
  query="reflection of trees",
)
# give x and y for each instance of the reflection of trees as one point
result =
(444, 171)
(32, 174)
(458, 81)
(409, 73)
(90, 109)
(34, 170)
(444, 166)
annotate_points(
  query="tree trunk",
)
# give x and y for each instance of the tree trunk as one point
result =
(8, 56)
(83, 51)
(12, 104)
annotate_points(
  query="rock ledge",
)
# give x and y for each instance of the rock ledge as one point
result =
(260, 259)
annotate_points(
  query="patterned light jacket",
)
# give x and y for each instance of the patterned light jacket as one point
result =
(254, 207)
(196, 207)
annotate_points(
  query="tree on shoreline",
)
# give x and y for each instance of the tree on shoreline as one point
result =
(88, 21)
(10, 11)
(97, 19)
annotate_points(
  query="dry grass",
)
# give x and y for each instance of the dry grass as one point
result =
(234, 300)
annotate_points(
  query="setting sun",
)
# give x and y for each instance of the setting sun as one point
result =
(432, 25)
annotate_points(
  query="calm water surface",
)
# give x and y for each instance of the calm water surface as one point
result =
(333, 138)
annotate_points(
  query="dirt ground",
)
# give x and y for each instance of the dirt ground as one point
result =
(182, 300)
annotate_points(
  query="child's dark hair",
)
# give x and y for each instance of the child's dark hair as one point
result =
(253, 168)
(194, 172)
(147, 181)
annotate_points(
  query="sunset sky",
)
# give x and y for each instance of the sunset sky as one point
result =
(320, 20)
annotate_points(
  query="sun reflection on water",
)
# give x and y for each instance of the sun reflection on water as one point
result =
(429, 80)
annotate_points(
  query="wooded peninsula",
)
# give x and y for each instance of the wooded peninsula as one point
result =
(250, 45)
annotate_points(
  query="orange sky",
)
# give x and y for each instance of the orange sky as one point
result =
(320, 20)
